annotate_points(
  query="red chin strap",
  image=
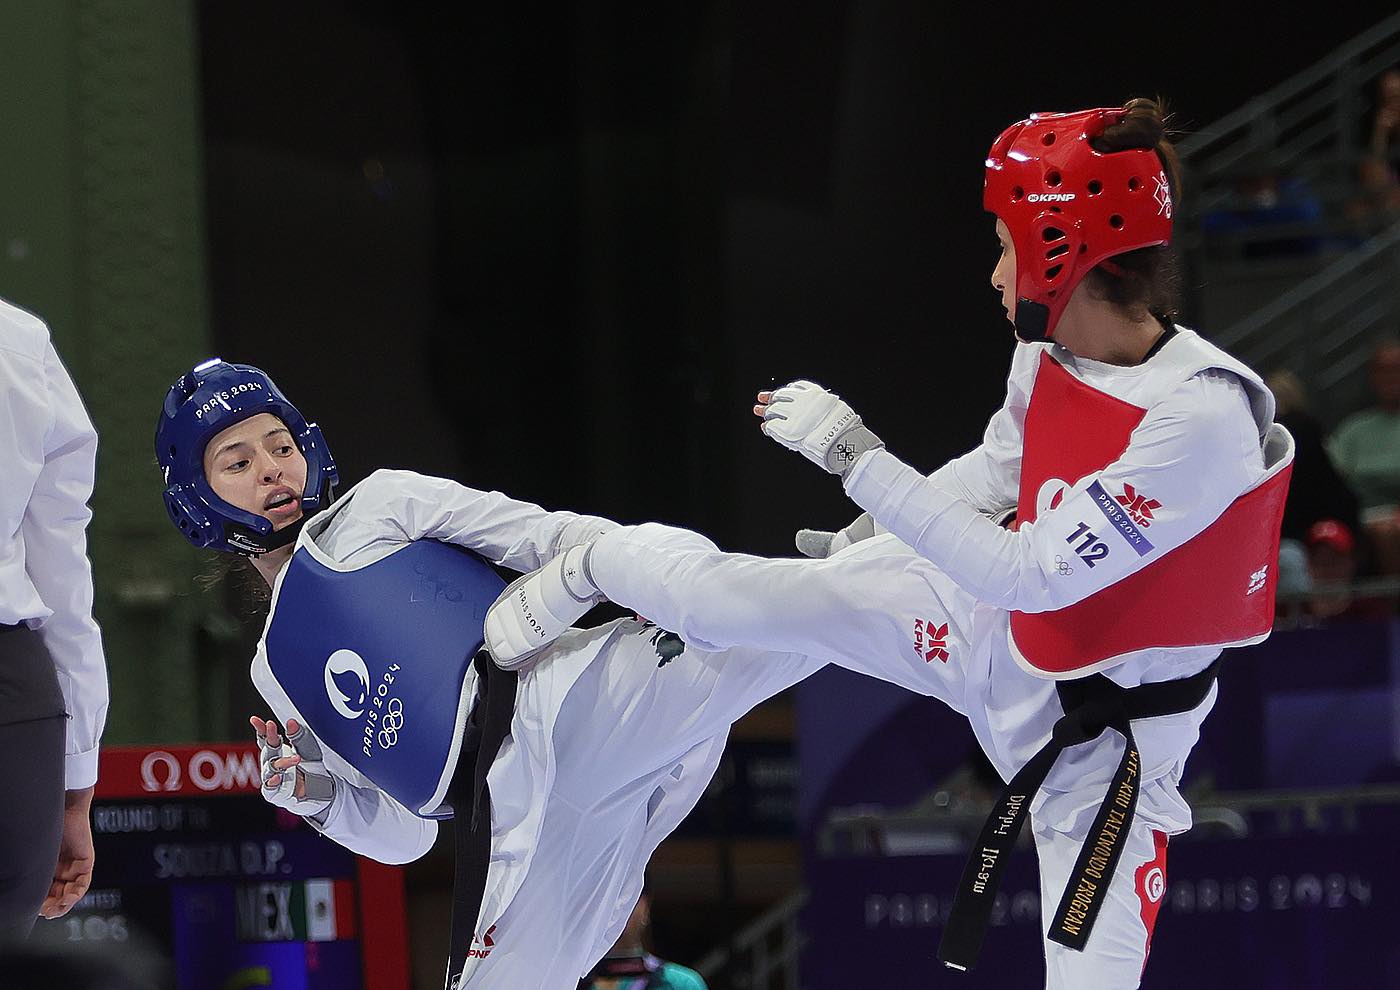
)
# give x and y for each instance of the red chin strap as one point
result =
(1069, 207)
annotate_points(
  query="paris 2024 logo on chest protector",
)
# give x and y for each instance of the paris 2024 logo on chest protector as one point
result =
(347, 683)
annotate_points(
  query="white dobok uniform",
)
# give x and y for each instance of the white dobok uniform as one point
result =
(935, 618)
(608, 748)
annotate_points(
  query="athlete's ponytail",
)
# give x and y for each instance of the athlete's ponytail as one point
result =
(1145, 280)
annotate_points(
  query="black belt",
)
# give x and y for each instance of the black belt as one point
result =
(1091, 705)
(486, 730)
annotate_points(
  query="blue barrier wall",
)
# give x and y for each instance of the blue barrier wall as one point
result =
(1309, 708)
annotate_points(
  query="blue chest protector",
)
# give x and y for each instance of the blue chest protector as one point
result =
(375, 658)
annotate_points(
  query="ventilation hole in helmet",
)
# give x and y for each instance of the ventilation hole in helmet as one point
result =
(1052, 234)
(1047, 138)
(1134, 184)
(1053, 293)
(1056, 251)
(1116, 222)
(1083, 248)
(1016, 194)
(1052, 271)
(1095, 187)
(1052, 179)
(172, 450)
(1056, 209)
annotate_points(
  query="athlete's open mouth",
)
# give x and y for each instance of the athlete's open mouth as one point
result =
(280, 499)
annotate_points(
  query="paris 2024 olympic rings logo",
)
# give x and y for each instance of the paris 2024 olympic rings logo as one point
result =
(391, 723)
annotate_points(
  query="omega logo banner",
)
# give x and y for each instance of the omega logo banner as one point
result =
(211, 768)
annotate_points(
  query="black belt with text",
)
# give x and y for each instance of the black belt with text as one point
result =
(1091, 705)
(470, 799)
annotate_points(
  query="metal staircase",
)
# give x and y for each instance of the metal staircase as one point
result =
(762, 955)
(1317, 314)
(1324, 327)
(1307, 123)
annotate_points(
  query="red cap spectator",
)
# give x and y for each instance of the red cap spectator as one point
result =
(1332, 534)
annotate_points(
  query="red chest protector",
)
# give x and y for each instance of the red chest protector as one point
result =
(1217, 589)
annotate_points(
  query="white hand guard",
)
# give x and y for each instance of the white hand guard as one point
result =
(819, 543)
(319, 784)
(535, 609)
(807, 418)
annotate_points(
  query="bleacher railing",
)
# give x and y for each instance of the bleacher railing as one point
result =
(763, 954)
(1324, 327)
(1310, 128)
(1318, 113)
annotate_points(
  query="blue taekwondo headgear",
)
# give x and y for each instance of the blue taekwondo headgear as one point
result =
(212, 397)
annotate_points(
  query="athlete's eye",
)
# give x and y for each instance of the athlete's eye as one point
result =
(284, 450)
(236, 465)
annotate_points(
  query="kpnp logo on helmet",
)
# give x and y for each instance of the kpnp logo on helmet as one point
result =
(1049, 197)
(347, 683)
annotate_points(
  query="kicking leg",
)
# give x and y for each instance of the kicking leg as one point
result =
(1118, 945)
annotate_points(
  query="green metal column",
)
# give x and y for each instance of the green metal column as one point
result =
(101, 233)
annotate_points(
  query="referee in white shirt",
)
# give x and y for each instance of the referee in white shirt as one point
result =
(53, 681)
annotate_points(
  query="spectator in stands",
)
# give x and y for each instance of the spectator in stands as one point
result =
(1385, 125)
(1377, 201)
(1331, 561)
(629, 966)
(1366, 449)
(1268, 214)
(1333, 558)
(1317, 491)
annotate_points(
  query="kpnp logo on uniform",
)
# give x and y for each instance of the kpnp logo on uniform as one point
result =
(1139, 506)
(1119, 519)
(347, 683)
(487, 943)
(935, 647)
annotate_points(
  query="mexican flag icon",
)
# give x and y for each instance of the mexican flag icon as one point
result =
(330, 910)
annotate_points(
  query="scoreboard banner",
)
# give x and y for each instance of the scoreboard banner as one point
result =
(181, 771)
(238, 893)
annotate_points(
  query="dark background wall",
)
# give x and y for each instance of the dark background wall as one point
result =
(555, 250)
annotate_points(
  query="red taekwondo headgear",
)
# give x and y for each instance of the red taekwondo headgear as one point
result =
(1069, 207)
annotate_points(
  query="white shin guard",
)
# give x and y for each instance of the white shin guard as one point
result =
(538, 607)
